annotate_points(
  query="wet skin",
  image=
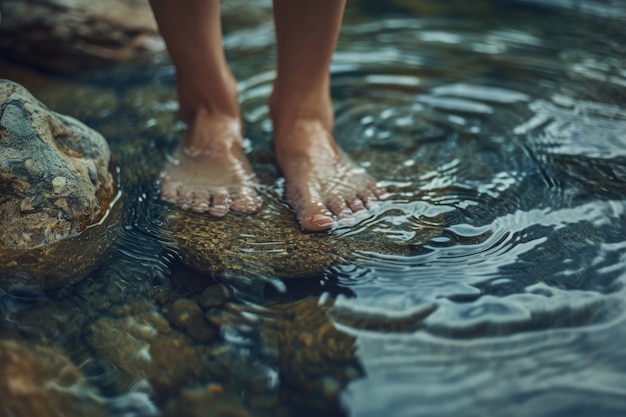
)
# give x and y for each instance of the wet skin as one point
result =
(209, 172)
(322, 184)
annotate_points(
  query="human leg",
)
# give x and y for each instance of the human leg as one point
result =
(209, 171)
(320, 179)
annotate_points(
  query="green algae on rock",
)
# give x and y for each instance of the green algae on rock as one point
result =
(57, 192)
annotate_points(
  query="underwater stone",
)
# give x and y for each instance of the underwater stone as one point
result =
(56, 192)
(39, 381)
(145, 348)
(187, 316)
(203, 402)
(270, 245)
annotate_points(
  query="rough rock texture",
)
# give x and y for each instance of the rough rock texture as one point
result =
(55, 182)
(271, 244)
(38, 381)
(80, 34)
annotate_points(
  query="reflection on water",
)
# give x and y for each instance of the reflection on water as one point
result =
(516, 307)
(502, 132)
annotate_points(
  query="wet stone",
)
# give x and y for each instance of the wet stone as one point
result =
(314, 357)
(316, 352)
(183, 377)
(133, 308)
(78, 35)
(220, 317)
(25, 383)
(213, 296)
(57, 192)
(187, 316)
(146, 348)
(270, 244)
(330, 386)
(44, 320)
(205, 402)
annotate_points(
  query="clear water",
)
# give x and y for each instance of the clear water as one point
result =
(500, 124)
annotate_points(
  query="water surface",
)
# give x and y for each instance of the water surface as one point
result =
(501, 128)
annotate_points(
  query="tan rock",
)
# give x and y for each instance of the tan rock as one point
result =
(144, 347)
(39, 381)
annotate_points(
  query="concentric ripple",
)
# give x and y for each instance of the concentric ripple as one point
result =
(499, 285)
(506, 139)
(504, 135)
(492, 279)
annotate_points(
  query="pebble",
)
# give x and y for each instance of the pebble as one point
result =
(58, 184)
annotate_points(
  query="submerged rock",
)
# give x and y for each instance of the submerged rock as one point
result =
(145, 349)
(270, 244)
(83, 34)
(38, 381)
(56, 194)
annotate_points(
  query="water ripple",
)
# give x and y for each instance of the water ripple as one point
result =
(541, 374)
(457, 270)
(563, 126)
(495, 280)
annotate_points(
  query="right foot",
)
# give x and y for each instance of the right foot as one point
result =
(322, 184)
(209, 171)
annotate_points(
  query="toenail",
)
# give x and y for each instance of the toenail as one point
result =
(320, 217)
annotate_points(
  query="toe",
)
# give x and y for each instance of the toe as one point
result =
(317, 222)
(381, 192)
(246, 201)
(200, 202)
(220, 203)
(169, 190)
(368, 196)
(184, 198)
(315, 216)
(355, 204)
(338, 206)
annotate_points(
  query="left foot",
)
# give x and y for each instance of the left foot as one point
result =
(209, 172)
(322, 183)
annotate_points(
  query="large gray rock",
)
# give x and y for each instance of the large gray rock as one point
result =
(56, 193)
(79, 34)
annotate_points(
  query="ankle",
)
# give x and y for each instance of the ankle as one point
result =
(212, 132)
(288, 109)
(217, 99)
(305, 140)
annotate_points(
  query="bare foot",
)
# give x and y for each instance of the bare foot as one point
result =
(209, 172)
(321, 182)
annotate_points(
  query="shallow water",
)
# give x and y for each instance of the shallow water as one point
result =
(501, 127)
